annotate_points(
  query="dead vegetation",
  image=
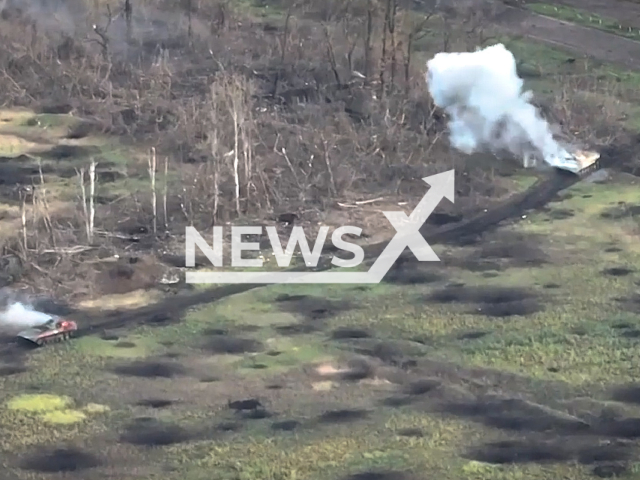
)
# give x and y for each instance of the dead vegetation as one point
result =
(241, 116)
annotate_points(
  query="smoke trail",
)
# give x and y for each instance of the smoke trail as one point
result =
(488, 110)
(20, 315)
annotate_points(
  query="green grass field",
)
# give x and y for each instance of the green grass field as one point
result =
(506, 360)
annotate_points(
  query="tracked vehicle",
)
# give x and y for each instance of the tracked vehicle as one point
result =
(55, 329)
(580, 162)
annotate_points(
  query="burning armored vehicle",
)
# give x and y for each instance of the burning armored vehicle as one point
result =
(56, 329)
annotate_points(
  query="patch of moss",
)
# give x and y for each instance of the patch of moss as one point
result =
(39, 403)
(63, 417)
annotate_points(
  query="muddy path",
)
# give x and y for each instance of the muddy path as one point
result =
(598, 44)
(537, 196)
(627, 13)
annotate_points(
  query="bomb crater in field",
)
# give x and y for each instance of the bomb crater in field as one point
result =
(313, 311)
(343, 415)
(531, 451)
(517, 249)
(382, 475)
(228, 344)
(155, 403)
(412, 273)
(150, 369)
(617, 271)
(517, 415)
(627, 394)
(491, 301)
(146, 431)
(60, 460)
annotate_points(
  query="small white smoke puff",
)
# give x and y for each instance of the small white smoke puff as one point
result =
(19, 315)
(482, 94)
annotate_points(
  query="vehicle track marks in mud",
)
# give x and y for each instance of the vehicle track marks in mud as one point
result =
(537, 196)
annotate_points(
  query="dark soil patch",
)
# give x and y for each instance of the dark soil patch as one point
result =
(631, 304)
(242, 405)
(622, 326)
(621, 211)
(602, 453)
(258, 366)
(8, 370)
(82, 130)
(257, 414)
(312, 309)
(149, 432)
(60, 460)
(358, 369)
(290, 298)
(412, 274)
(611, 470)
(292, 329)
(440, 219)
(561, 214)
(508, 309)
(517, 249)
(632, 333)
(109, 336)
(124, 345)
(423, 386)
(382, 475)
(520, 452)
(225, 344)
(613, 250)
(516, 414)
(150, 369)
(473, 335)
(285, 425)
(55, 109)
(388, 352)
(490, 275)
(64, 152)
(343, 416)
(617, 271)
(344, 333)
(492, 301)
(215, 331)
(229, 427)
(484, 295)
(551, 286)
(155, 403)
(620, 428)
(627, 394)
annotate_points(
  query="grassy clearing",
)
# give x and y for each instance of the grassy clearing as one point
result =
(585, 18)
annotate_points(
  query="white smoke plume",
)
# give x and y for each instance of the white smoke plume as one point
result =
(20, 315)
(482, 94)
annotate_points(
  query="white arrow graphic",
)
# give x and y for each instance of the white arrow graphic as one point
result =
(408, 235)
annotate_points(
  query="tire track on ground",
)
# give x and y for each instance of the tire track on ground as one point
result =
(598, 44)
(537, 196)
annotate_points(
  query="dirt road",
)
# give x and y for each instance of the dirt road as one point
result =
(627, 13)
(597, 44)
